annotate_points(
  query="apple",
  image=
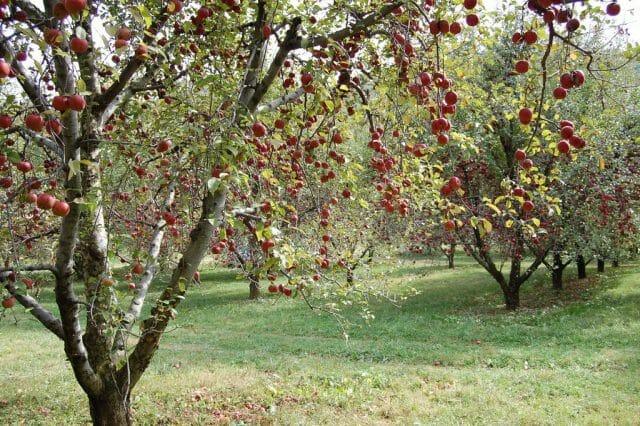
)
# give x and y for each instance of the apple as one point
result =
(566, 81)
(174, 6)
(164, 145)
(451, 98)
(527, 206)
(522, 66)
(60, 11)
(472, 20)
(454, 183)
(61, 208)
(78, 45)
(24, 166)
(559, 93)
(60, 103)
(530, 37)
(123, 33)
(259, 129)
(34, 122)
(518, 192)
(5, 121)
(306, 79)
(53, 126)
(287, 291)
(526, 164)
(566, 132)
(46, 201)
(563, 146)
(137, 268)
(52, 36)
(525, 115)
(5, 69)
(470, 4)
(76, 102)
(8, 302)
(572, 25)
(613, 9)
(273, 288)
(449, 225)
(75, 6)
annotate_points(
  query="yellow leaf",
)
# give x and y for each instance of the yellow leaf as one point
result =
(486, 224)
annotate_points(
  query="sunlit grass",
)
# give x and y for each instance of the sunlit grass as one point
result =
(448, 355)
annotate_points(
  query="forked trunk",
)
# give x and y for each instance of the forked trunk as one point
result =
(600, 265)
(110, 409)
(582, 267)
(254, 287)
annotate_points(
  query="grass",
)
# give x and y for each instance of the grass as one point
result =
(448, 355)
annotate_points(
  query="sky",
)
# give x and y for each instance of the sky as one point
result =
(629, 17)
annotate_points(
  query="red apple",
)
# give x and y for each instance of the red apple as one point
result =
(78, 45)
(34, 122)
(46, 201)
(8, 302)
(5, 121)
(525, 115)
(76, 102)
(61, 208)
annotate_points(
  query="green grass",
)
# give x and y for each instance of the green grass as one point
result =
(449, 355)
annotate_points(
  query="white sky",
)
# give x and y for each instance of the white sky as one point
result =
(629, 17)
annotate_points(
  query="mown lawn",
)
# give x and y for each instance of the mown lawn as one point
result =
(448, 355)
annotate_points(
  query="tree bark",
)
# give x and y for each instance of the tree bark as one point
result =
(615, 263)
(600, 265)
(556, 272)
(451, 256)
(511, 297)
(110, 409)
(582, 267)
(254, 287)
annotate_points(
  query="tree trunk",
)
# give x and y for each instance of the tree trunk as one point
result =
(615, 263)
(582, 267)
(511, 298)
(451, 256)
(110, 409)
(254, 287)
(556, 273)
(600, 265)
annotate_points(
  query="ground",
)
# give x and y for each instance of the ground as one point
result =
(448, 355)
